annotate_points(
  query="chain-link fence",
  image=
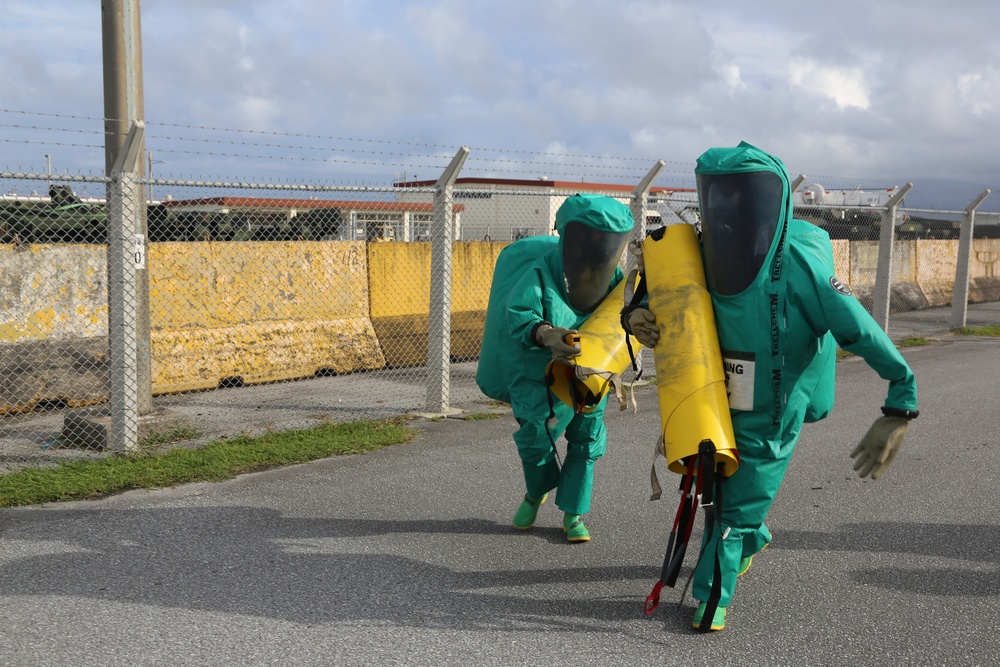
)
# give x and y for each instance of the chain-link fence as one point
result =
(138, 311)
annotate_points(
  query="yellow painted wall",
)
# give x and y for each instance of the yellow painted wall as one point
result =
(219, 311)
(52, 292)
(863, 262)
(400, 275)
(904, 262)
(278, 310)
(984, 270)
(985, 258)
(936, 261)
(842, 259)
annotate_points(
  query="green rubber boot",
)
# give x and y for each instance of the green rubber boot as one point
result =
(575, 530)
(746, 563)
(718, 619)
(524, 518)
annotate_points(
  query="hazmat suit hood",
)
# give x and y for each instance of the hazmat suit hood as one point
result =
(593, 231)
(746, 203)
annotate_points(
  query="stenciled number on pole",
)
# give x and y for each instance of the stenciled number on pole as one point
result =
(140, 251)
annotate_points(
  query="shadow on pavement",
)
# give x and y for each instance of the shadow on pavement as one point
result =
(259, 563)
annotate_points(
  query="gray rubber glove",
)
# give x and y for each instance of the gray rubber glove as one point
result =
(553, 338)
(879, 447)
(642, 324)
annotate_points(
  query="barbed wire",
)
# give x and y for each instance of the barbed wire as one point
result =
(502, 164)
(50, 129)
(50, 143)
(600, 166)
(53, 115)
(299, 135)
(400, 143)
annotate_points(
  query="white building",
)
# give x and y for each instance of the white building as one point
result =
(271, 218)
(499, 209)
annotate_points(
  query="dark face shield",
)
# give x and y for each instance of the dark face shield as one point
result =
(740, 214)
(590, 257)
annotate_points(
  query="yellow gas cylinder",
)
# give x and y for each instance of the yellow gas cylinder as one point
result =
(690, 376)
(603, 357)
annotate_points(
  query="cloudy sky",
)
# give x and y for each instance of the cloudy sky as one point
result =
(849, 92)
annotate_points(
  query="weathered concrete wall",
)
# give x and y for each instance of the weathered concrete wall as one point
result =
(842, 259)
(400, 298)
(984, 272)
(218, 312)
(52, 291)
(53, 326)
(470, 292)
(936, 261)
(906, 294)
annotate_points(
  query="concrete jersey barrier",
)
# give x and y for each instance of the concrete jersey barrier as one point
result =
(218, 313)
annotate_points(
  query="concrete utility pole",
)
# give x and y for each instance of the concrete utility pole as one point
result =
(439, 314)
(122, 44)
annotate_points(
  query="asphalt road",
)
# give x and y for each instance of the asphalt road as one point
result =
(406, 556)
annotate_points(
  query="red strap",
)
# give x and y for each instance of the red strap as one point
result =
(653, 601)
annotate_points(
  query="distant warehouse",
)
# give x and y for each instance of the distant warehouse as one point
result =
(500, 209)
(65, 217)
(282, 219)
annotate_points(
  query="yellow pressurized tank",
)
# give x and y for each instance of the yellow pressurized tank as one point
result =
(603, 358)
(690, 377)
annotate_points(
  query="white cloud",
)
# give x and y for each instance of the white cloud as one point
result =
(846, 86)
(980, 91)
(731, 75)
(258, 112)
(828, 87)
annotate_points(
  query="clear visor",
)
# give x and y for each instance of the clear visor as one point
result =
(740, 215)
(590, 257)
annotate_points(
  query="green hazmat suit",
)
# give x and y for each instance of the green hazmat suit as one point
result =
(780, 312)
(531, 286)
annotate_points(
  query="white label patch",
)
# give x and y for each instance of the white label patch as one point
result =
(839, 287)
(739, 382)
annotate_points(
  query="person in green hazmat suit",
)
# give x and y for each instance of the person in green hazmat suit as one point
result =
(780, 312)
(543, 289)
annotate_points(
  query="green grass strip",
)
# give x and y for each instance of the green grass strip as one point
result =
(215, 462)
(480, 416)
(913, 341)
(989, 330)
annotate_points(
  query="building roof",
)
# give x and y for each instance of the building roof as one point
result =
(579, 186)
(286, 203)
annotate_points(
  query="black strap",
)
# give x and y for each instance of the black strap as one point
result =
(685, 518)
(551, 418)
(899, 412)
(706, 467)
(641, 290)
(690, 508)
(633, 304)
(712, 604)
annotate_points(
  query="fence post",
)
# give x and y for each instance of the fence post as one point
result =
(126, 254)
(640, 199)
(883, 272)
(121, 30)
(439, 312)
(960, 297)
